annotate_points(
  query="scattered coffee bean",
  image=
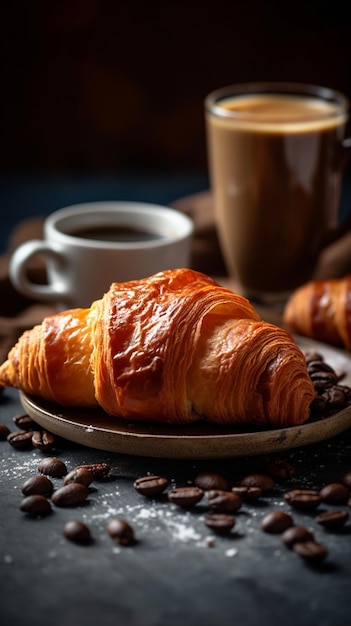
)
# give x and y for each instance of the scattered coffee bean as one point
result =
(150, 486)
(310, 550)
(121, 532)
(211, 480)
(20, 439)
(220, 523)
(264, 482)
(222, 498)
(313, 356)
(223, 501)
(336, 397)
(4, 432)
(73, 494)
(331, 395)
(51, 466)
(278, 468)
(43, 440)
(276, 522)
(37, 485)
(99, 470)
(346, 480)
(185, 497)
(79, 475)
(24, 421)
(323, 379)
(332, 519)
(77, 531)
(319, 405)
(303, 499)
(247, 494)
(35, 505)
(321, 373)
(335, 493)
(295, 534)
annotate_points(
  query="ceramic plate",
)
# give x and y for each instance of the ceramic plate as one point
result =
(95, 429)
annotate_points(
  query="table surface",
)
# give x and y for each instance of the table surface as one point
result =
(178, 571)
(172, 574)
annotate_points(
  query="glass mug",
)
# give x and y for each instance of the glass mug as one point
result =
(276, 155)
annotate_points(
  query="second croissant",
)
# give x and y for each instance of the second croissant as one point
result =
(176, 347)
(321, 309)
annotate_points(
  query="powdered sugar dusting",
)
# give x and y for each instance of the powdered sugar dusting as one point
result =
(17, 466)
(231, 552)
(149, 519)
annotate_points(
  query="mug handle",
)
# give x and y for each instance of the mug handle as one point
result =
(342, 158)
(334, 259)
(345, 151)
(18, 271)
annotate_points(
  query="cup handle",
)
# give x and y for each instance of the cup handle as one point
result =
(18, 274)
(344, 153)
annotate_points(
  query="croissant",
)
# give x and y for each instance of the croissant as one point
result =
(321, 309)
(176, 347)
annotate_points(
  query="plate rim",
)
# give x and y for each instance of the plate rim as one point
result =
(190, 446)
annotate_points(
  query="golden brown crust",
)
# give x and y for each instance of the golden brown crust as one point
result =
(322, 310)
(176, 347)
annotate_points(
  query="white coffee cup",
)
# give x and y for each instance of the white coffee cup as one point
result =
(88, 246)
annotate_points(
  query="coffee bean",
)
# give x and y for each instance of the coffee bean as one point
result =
(99, 470)
(211, 480)
(223, 501)
(248, 494)
(332, 519)
(336, 397)
(77, 531)
(79, 475)
(346, 480)
(295, 534)
(319, 405)
(220, 523)
(43, 440)
(20, 439)
(331, 396)
(310, 357)
(121, 532)
(276, 522)
(185, 497)
(278, 468)
(303, 499)
(310, 550)
(51, 466)
(24, 421)
(73, 494)
(335, 493)
(322, 380)
(4, 432)
(150, 486)
(264, 482)
(321, 374)
(35, 505)
(40, 485)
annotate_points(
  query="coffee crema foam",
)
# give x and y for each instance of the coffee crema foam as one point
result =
(278, 113)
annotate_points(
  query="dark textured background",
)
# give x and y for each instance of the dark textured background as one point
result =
(111, 86)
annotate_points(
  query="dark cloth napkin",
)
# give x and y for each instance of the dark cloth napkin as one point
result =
(18, 313)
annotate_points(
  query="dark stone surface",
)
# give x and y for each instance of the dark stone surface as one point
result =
(171, 575)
